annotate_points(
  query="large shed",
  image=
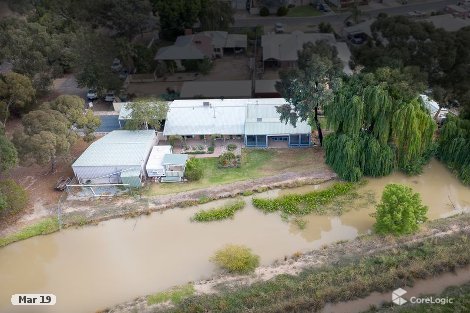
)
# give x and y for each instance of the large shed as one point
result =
(118, 157)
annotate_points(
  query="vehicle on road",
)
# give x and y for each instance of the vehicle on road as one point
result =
(110, 96)
(279, 28)
(92, 94)
(416, 13)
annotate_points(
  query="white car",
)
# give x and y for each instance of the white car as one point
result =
(92, 94)
(279, 28)
(116, 66)
(109, 97)
(416, 13)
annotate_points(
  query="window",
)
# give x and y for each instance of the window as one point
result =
(305, 139)
(251, 140)
(261, 140)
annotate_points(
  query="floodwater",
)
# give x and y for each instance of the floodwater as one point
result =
(94, 267)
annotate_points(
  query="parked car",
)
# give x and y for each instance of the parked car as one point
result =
(109, 97)
(92, 94)
(357, 38)
(123, 73)
(116, 66)
(279, 28)
(416, 13)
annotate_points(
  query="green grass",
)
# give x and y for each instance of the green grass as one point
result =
(303, 11)
(217, 214)
(302, 204)
(349, 279)
(175, 295)
(43, 227)
(256, 163)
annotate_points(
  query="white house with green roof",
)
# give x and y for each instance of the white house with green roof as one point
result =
(117, 158)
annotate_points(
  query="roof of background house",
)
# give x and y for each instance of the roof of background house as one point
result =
(262, 118)
(265, 86)
(236, 41)
(118, 148)
(285, 47)
(175, 159)
(193, 117)
(448, 22)
(363, 27)
(216, 89)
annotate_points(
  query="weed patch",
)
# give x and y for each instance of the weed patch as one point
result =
(175, 295)
(216, 214)
(43, 227)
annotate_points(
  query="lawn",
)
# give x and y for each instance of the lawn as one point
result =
(255, 163)
(303, 11)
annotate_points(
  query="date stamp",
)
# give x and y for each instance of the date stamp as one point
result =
(33, 299)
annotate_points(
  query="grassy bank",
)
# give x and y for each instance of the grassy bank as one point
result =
(43, 227)
(221, 213)
(461, 303)
(302, 204)
(256, 163)
(303, 11)
(174, 295)
(348, 279)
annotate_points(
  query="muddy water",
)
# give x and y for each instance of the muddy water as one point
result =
(432, 286)
(98, 266)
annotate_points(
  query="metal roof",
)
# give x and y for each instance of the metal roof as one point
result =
(156, 156)
(216, 89)
(175, 159)
(118, 148)
(263, 119)
(448, 22)
(206, 117)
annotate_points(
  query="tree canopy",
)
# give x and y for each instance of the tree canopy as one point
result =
(311, 85)
(400, 211)
(377, 127)
(8, 154)
(145, 113)
(16, 92)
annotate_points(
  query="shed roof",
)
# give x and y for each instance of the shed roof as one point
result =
(175, 159)
(118, 148)
(156, 157)
(205, 117)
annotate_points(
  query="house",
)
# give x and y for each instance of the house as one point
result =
(165, 165)
(117, 158)
(457, 10)
(256, 120)
(448, 22)
(281, 50)
(230, 89)
(433, 107)
(209, 44)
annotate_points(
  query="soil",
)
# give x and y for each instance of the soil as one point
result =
(293, 265)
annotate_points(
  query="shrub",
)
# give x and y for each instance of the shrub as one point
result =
(194, 169)
(400, 211)
(172, 140)
(231, 147)
(229, 159)
(325, 27)
(210, 149)
(282, 11)
(264, 11)
(13, 198)
(216, 214)
(236, 259)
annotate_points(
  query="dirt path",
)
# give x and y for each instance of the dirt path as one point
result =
(362, 246)
(96, 210)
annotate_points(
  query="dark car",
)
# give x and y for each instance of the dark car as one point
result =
(358, 38)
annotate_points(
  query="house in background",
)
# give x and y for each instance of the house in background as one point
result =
(254, 120)
(281, 50)
(448, 22)
(200, 46)
(117, 158)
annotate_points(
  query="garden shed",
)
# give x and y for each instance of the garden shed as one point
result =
(117, 158)
(154, 165)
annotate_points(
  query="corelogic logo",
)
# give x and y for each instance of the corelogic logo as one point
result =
(397, 296)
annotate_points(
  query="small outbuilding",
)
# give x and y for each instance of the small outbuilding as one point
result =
(174, 165)
(154, 165)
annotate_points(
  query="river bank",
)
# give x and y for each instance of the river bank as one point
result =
(435, 237)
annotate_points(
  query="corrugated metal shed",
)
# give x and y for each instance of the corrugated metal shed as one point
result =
(263, 119)
(118, 148)
(206, 117)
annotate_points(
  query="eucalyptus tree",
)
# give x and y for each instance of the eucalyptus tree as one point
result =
(145, 113)
(376, 129)
(309, 86)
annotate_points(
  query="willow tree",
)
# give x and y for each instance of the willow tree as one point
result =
(374, 132)
(309, 86)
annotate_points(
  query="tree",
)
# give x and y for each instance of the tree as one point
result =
(325, 27)
(194, 169)
(16, 92)
(176, 15)
(72, 107)
(216, 15)
(311, 85)
(236, 259)
(400, 211)
(145, 113)
(129, 18)
(376, 128)
(13, 198)
(8, 154)
(46, 137)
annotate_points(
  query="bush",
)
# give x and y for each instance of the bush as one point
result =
(210, 149)
(264, 11)
(236, 259)
(13, 198)
(400, 211)
(229, 159)
(216, 214)
(325, 28)
(194, 169)
(231, 147)
(172, 140)
(282, 11)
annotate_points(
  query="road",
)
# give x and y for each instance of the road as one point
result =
(430, 5)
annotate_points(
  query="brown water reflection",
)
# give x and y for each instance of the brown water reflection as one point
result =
(98, 266)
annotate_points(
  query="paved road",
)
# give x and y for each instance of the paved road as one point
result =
(430, 5)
